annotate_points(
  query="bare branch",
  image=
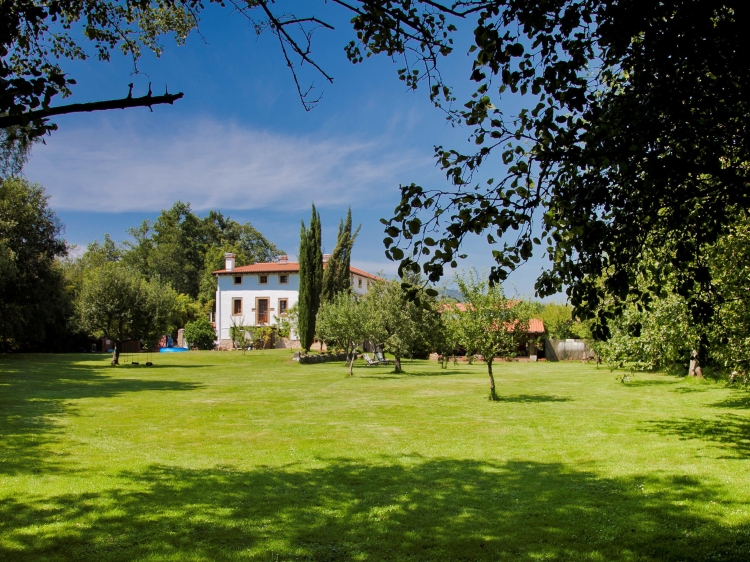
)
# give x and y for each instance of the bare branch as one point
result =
(144, 101)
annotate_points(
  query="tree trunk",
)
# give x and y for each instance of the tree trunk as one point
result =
(695, 366)
(116, 354)
(493, 394)
(396, 363)
(350, 355)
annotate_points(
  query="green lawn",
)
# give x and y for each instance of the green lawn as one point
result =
(213, 456)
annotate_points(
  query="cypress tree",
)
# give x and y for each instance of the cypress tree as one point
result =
(310, 278)
(303, 318)
(336, 274)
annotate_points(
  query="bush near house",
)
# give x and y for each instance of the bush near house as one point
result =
(200, 334)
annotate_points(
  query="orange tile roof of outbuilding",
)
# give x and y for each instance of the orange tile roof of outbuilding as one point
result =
(536, 325)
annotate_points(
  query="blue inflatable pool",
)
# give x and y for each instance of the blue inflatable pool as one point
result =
(173, 349)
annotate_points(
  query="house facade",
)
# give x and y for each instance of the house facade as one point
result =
(260, 294)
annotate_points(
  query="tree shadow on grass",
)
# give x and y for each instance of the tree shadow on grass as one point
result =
(35, 394)
(651, 382)
(738, 399)
(729, 430)
(689, 389)
(439, 373)
(531, 398)
(439, 509)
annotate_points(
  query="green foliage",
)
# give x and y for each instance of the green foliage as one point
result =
(184, 249)
(623, 143)
(336, 276)
(292, 317)
(447, 337)
(729, 334)
(118, 303)
(402, 318)
(200, 333)
(655, 339)
(35, 307)
(186, 310)
(490, 324)
(261, 335)
(557, 320)
(310, 279)
(344, 322)
(283, 327)
(239, 334)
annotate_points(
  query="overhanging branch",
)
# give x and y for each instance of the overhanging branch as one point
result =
(144, 101)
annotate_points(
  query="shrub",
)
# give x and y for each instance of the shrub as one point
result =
(200, 333)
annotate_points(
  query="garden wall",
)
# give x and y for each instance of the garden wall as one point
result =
(567, 350)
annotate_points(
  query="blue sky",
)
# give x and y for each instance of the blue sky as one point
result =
(241, 142)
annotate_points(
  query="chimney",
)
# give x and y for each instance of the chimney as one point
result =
(325, 257)
(283, 258)
(229, 260)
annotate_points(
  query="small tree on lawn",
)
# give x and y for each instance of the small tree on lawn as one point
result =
(119, 304)
(491, 324)
(401, 321)
(343, 321)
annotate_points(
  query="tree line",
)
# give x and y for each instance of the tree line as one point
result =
(154, 283)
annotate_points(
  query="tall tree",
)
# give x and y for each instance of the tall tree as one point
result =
(311, 278)
(336, 275)
(184, 249)
(491, 324)
(33, 301)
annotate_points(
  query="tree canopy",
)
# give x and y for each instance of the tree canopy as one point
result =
(184, 249)
(33, 301)
(403, 322)
(120, 304)
(344, 321)
(633, 135)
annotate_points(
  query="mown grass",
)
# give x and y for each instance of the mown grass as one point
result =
(224, 456)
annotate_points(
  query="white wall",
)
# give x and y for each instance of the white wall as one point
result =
(355, 284)
(248, 291)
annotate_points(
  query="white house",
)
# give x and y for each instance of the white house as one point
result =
(261, 293)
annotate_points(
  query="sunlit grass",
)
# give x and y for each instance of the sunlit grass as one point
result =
(212, 456)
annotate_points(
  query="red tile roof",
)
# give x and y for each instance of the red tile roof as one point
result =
(281, 267)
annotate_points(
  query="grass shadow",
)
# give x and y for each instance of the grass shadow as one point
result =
(532, 398)
(35, 395)
(738, 399)
(729, 430)
(689, 389)
(439, 509)
(651, 382)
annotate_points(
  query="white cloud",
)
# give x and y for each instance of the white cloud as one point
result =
(213, 165)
